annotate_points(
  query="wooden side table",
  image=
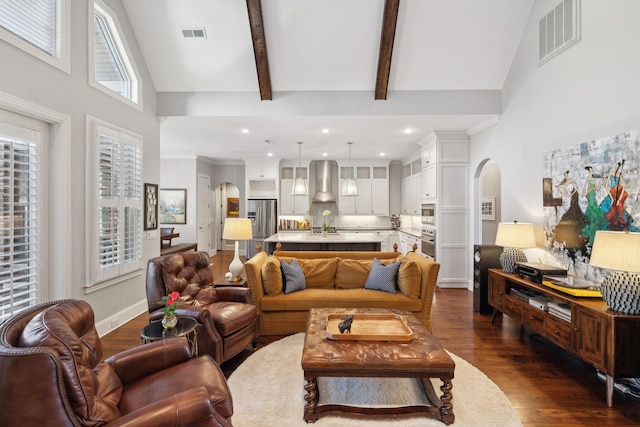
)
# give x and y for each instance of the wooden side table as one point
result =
(186, 327)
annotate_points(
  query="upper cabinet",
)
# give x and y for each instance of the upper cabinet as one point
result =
(411, 185)
(262, 179)
(372, 180)
(445, 159)
(290, 204)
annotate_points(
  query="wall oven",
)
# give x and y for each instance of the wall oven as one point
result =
(428, 241)
(429, 214)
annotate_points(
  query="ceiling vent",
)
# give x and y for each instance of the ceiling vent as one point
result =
(558, 29)
(194, 33)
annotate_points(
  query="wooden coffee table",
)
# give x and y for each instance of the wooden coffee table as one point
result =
(422, 358)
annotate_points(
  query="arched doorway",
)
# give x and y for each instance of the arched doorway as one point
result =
(227, 197)
(487, 206)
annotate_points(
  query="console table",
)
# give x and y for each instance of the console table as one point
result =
(604, 338)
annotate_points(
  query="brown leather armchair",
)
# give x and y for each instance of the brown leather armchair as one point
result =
(227, 318)
(53, 375)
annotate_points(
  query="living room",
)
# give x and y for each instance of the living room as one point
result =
(587, 92)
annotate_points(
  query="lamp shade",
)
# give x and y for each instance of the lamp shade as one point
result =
(515, 235)
(616, 250)
(349, 187)
(237, 229)
(300, 187)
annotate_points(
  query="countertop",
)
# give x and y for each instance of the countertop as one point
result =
(412, 231)
(342, 237)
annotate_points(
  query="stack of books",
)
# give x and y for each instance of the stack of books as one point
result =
(560, 310)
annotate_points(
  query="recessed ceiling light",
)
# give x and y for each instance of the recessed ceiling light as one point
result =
(325, 130)
(245, 130)
(270, 154)
(381, 154)
(408, 131)
(325, 154)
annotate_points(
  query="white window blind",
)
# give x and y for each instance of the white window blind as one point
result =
(19, 220)
(119, 203)
(112, 67)
(35, 21)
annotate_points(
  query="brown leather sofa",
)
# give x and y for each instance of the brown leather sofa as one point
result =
(336, 279)
(52, 374)
(227, 318)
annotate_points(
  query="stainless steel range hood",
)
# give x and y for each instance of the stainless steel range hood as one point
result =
(323, 183)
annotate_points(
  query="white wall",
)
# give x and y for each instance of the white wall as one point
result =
(589, 91)
(33, 82)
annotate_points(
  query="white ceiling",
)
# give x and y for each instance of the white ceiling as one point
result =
(316, 46)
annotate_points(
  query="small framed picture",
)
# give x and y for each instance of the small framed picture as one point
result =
(150, 206)
(488, 208)
(173, 206)
(233, 206)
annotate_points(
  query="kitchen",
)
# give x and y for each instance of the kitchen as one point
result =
(351, 222)
(428, 193)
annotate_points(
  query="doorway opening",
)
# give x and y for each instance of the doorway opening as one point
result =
(487, 206)
(227, 204)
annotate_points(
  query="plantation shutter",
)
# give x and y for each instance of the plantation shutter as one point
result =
(33, 20)
(119, 203)
(19, 221)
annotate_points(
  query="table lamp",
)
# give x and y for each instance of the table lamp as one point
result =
(513, 236)
(236, 229)
(619, 251)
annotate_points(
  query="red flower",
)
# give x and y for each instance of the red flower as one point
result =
(170, 303)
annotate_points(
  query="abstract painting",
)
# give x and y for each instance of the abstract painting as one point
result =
(588, 187)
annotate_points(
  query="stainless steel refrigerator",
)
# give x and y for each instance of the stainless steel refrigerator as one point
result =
(264, 220)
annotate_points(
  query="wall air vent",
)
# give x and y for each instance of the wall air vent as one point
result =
(558, 29)
(195, 33)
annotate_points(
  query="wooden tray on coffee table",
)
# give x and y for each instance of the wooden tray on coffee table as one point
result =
(370, 327)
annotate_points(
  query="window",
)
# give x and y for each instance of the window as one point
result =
(39, 27)
(117, 193)
(21, 210)
(110, 62)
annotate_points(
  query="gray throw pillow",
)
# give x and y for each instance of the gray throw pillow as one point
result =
(293, 277)
(383, 277)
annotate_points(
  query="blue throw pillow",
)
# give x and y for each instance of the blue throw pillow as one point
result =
(383, 277)
(293, 277)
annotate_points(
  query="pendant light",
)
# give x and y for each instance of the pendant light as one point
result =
(300, 187)
(349, 187)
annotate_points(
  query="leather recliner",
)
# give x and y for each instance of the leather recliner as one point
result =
(227, 317)
(53, 375)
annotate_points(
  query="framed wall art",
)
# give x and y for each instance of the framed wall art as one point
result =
(150, 206)
(233, 206)
(173, 206)
(488, 208)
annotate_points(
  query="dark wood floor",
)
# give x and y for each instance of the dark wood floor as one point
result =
(547, 386)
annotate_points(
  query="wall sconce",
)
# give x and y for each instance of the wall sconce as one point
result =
(236, 229)
(619, 251)
(513, 236)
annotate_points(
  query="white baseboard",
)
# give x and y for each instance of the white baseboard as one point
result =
(123, 316)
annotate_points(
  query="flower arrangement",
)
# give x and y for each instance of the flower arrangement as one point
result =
(325, 214)
(170, 303)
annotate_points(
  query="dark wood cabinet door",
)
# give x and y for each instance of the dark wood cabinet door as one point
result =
(590, 337)
(497, 289)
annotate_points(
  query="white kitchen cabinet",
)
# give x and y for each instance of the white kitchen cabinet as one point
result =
(262, 179)
(429, 183)
(290, 204)
(372, 180)
(412, 185)
(407, 241)
(393, 239)
(262, 170)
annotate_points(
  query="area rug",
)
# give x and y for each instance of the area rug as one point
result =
(267, 390)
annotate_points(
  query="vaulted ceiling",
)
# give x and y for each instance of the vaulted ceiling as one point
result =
(366, 70)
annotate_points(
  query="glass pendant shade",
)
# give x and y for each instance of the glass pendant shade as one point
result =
(349, 186)
(300, 186)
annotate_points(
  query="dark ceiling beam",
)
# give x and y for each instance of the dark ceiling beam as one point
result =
(389, 22)
(254, 7)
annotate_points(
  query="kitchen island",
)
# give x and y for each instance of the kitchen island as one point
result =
(340, 241)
